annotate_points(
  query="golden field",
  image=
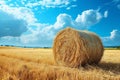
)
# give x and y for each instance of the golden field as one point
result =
(38, 64)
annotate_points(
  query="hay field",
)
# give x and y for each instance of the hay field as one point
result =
(38, 64)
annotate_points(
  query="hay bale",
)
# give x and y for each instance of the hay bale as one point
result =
(74, 48)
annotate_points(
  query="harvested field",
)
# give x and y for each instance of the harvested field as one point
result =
(38, 64)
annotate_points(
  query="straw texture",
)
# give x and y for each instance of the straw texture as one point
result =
(74, 48)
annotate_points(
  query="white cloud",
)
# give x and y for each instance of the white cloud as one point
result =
(10, 25)
(19, 13)
(19, 25)
(42, 34)
(45, 33)
(82, 21)
(42, 3)
(2, 2)
(72, 6)
(106, 14)
(88, 18)
(113, 39)
(55, 3)
(39, 37)
(15, 21)
(113, 34)
(63, 20)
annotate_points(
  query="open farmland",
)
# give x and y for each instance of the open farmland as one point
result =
(38, 64)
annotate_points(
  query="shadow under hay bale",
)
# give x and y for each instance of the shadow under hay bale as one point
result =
(74, 48)
(111, 67)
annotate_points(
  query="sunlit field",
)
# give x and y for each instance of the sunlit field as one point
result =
(38, 64)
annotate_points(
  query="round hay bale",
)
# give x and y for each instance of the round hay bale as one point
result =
(74, 48)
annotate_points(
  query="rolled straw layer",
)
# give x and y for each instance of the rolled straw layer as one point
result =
(74, 48)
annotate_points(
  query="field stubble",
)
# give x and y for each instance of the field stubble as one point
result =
(38, 64)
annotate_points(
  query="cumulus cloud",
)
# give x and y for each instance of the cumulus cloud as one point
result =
(63, 20)
(113, 39)
(50, 3)
(42, 3)
(2, 2)
(15, 21)
(82, 21)
(44, 34)
(20, 24)
(10, 26)
(39, 37)
(19, 13)
(89, 18)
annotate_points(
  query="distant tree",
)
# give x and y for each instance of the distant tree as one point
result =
(118, 47)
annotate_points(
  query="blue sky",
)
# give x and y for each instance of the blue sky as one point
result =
(36, 22)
